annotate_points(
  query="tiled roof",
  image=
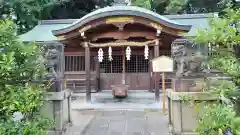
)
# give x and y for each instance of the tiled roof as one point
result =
(43, 31)
(197, 21)
(123, 10)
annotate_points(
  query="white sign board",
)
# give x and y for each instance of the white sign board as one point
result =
(162, 64)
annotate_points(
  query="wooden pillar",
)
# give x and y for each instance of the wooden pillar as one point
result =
(150, 70)
(88, 73)
(123, 64)
(97, 73)
(156, 86)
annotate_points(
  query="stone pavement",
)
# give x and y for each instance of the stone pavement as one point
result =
(138, 114)
(80, 122)
(123, 122)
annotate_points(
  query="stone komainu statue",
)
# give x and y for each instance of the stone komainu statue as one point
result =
(53, 56)
(186, 63)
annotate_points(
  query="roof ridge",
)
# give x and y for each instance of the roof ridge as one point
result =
(177, 16)
(57, 21)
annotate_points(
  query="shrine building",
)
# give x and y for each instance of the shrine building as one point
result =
(115, 45)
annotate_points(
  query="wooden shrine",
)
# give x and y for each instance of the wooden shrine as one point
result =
(117, 47)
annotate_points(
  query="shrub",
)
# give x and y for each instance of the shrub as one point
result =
(20, 64)
(224, 40)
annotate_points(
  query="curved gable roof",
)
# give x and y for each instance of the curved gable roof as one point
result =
(123, 10)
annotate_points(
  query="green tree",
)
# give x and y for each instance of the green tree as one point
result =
(75, 9)
(20, 99)
(223, 33)
(223, 40)
(143, 3)
(175, 6)
(183, 6)
(27, 13)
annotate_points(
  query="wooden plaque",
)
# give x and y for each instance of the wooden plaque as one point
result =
(162, 64)
(119, 19)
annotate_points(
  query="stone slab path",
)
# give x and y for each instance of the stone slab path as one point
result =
(122, 122)
(80, 122)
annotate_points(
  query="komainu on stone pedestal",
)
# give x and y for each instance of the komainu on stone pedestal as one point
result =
(189, 74)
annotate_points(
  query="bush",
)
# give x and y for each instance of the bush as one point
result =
(223, 37)
(20, 64)
(213, 118)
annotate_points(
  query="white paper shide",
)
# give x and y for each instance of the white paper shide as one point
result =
(146, 52)
(128, 53)
(110, 53)
(100, 55)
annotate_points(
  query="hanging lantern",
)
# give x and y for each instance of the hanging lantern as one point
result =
(110, 53)
(146, 52)
(100, 55)
(128, 53)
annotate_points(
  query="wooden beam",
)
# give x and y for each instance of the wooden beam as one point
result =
(88, 73)
(118, 44)
(125, 35)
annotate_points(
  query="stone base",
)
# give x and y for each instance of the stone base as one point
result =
(57, 108)
(120, 90)
(187, 84)
(172, 132)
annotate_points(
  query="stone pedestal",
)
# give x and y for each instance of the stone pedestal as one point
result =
(120, 90)
(57, 108)
(183, 116)
(187, 84)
